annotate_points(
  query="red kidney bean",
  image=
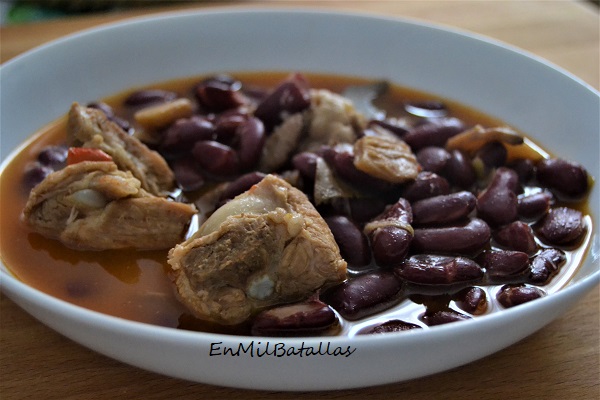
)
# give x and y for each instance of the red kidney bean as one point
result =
(290, 96)
(35, 173)
(216, 158)
(497, 204)
(54, 157)
(342, 164)
(459, 170)
(251, 138)
(105, 108)
(427, 269)
(516, 236)
(562, 225)
(360, 209)
(440, 317)
(226, 125)
(564, 177)
(390, 245)
(503, 264)
(353, 243)
(187, 174)
(535, 205)
(463, 238)
(80, 289)
(240, 185)
(110, 114)
(306, 164)
(427, 184)
(182, 135)
(307, 318)
(394, 325)
(545, 265)
(398, 127)
(433, 133)
(472, 300)
(443, 209)
(143, 98)
(433, 158)
(513, 295)
(365, 295)
(391, 233)
(426, 108)
(219, 93)
(493, 154)
(524, 168)
(400, 211)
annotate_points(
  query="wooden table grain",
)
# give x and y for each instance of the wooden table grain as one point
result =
(561, 361)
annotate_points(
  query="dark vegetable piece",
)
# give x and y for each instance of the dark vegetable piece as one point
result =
(365, 295)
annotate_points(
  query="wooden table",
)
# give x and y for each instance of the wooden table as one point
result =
(559, 362)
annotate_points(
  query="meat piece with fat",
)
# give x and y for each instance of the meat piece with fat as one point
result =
(92, 205)
(267, 246)
(90, 127)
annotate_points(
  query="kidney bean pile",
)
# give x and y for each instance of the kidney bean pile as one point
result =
(474, 231)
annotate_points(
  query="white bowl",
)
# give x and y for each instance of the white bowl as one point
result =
(553, 107)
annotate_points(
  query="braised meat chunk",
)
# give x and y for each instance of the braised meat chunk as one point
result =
(265, 247)
(90, 127)
(92, 205)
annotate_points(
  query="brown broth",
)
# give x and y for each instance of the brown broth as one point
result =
(135, 285)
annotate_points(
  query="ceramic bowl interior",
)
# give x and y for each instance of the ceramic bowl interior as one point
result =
(553, 107)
